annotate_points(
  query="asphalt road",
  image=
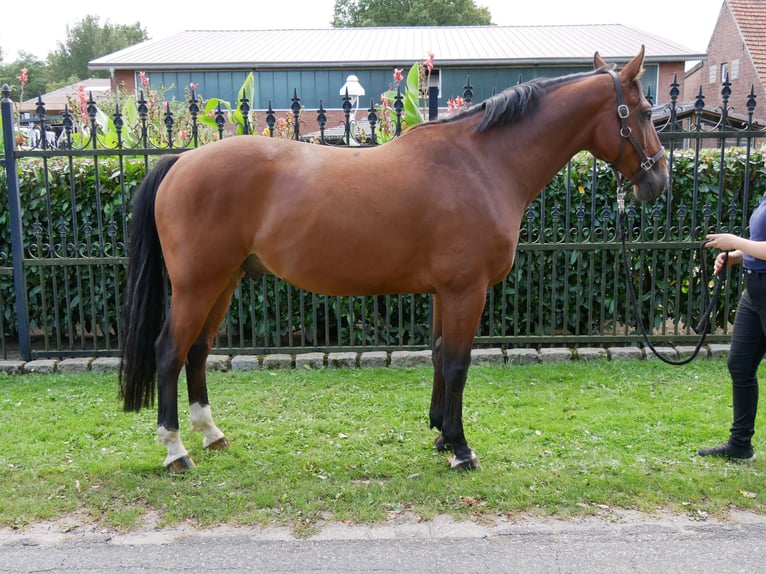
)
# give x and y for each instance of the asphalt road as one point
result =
(610, 543)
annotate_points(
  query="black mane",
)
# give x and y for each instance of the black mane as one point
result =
(514, 103)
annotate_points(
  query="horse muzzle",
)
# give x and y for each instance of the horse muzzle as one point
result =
(650, 183)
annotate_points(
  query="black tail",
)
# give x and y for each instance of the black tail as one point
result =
(145, 294)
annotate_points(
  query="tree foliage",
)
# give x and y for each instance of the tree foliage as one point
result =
(86, 40)
(367, 13)
(37, 75)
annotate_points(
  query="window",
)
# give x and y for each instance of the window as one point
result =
(734, 70)
(725, 72)
(712, 78)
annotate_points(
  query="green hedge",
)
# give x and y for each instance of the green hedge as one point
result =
(75, 214)
(73, 210)
(576, 285)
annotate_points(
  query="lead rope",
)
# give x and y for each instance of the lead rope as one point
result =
(702, 327)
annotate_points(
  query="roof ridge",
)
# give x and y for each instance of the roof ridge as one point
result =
(368, 28)
(384, 46)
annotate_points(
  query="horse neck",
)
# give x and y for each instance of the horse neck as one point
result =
(531, 152)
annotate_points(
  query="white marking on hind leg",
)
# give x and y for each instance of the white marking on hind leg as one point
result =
(202, 421)
(172, 441)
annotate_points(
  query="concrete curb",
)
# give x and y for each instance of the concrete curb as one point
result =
(372, 359)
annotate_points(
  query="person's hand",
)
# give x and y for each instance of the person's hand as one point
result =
(722, 261)
(728, 255)
(722, 241)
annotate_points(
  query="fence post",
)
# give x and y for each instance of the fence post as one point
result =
(432, 93)
(14, 215)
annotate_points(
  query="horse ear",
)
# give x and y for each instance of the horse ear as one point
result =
(635, 67)
(598, 61)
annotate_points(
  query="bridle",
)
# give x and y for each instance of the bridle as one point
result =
(626, 134)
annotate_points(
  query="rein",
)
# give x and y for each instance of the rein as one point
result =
(646, 163)
(710, 302)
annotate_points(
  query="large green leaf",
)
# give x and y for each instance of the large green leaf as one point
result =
(412, 113)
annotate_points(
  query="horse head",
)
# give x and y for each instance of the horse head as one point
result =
(627, 139)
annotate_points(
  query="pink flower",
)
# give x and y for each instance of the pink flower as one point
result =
(144, 79)
(193, 86)
(83, 97)
(23, 78)
(398, 75)
(429, 62)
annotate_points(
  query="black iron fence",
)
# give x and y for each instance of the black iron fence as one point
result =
(64, 229)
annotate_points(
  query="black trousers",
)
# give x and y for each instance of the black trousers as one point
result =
(748, 346)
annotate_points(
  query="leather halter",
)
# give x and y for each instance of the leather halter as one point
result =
(626, 133)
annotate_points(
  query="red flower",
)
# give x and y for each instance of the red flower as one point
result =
(455, 103)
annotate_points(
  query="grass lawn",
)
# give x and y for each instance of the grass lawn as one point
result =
(354, 445)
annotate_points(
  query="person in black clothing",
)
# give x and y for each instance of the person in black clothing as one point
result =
(748, 338)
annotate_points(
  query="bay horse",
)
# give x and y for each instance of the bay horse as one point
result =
(438, 210)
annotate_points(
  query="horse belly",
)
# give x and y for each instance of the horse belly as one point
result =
(351, 272)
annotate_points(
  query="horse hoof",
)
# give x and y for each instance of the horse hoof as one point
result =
(462, 465)
(180, 465)
(440, 445)
(220, 444)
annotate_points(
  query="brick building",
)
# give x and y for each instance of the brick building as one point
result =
(737, 50)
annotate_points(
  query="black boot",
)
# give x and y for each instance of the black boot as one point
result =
(729, 450)
(745, 407)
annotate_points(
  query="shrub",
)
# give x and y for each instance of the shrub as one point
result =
(567, 277)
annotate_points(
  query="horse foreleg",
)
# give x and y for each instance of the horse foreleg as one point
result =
(460, 318)
(200, 414)
(436, 412)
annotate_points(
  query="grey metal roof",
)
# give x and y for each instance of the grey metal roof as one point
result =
(452, 45)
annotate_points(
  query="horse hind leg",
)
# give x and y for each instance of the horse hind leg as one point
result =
(169, 363)
(200, 413)
(188, 318)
